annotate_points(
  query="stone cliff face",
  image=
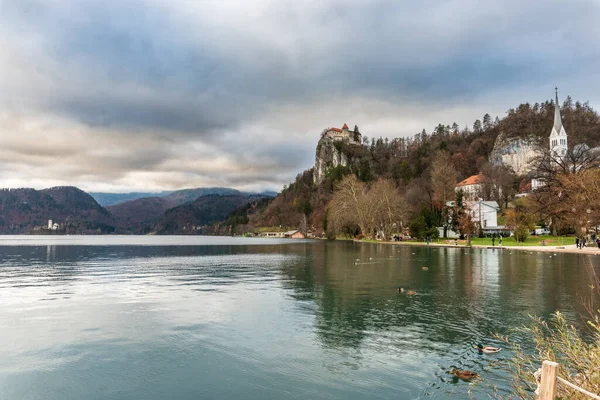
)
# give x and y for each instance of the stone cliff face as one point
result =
(516, 153)
(329, 154)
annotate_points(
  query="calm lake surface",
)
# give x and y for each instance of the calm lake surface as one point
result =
(222, 318)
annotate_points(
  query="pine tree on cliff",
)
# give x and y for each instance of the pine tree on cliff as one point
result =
(356, 134)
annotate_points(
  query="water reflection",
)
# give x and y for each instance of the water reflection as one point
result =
(324, 319)
(463, 298)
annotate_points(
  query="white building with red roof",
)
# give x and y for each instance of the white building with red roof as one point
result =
(471, 187)
(343, 135)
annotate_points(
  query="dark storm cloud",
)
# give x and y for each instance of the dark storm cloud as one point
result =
(247, 82)
(198, 75)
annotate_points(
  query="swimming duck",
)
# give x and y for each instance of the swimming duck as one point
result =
(408, 292)
(465, 375)
(424, 268)
(487, 349)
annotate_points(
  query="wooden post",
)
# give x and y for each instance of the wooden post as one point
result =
(548, 384)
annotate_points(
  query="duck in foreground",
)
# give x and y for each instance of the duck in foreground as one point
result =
(487, 349)
(465, 375)
(408, 292)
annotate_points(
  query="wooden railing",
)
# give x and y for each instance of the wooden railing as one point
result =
(546, 389)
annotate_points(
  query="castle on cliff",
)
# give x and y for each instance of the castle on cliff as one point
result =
(329, 154)
(343, 135)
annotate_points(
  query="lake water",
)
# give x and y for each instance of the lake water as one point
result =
(220, 318)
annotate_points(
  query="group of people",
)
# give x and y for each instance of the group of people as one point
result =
(494, 240)
(582, 241)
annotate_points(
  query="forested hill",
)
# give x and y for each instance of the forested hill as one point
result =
(23, 210)
(408, 161)
(580, 120)
(192, 218)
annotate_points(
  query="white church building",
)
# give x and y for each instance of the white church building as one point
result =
(520, 154)
(557, 141)
(558, 136)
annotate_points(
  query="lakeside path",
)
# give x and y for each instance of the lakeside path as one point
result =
(571, 248)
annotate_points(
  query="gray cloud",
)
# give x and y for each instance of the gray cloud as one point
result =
(151, 94)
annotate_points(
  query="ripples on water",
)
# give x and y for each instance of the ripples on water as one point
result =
(158, 318)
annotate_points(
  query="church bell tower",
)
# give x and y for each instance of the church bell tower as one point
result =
(558, 136)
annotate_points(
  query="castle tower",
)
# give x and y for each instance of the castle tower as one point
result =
(558, 136)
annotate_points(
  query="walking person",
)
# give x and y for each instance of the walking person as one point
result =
(493, 240)
(500, 241)
(577, 241)
(598, 242)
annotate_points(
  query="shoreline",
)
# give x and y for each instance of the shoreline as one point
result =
(570, 248)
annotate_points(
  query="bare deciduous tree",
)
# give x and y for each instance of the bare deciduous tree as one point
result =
(389, 208)
(580, 199)
(520, 219)
(443, 177)
(555, 174)
(349, 204)
(499, 183)
(466, 226)
(378, 209)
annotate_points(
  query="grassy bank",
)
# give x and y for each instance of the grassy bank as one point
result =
(506, 242)
(531, 241)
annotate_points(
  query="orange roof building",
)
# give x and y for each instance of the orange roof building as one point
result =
(471, 186)
(472, 180)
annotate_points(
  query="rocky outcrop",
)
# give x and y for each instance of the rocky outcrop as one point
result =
(516, 153)
(329, 154)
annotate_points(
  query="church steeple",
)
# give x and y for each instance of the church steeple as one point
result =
(558, 136)
(557, 119)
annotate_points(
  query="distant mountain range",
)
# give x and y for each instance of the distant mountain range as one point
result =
(77, 212)
(182, 196)
(108, 199)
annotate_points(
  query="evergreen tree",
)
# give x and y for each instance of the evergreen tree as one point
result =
(477, 128)
(364, 173)
(455, 128)
(487, 122)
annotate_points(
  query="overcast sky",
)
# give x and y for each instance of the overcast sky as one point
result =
(119, 95)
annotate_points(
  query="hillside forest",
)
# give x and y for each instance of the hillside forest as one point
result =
(419, 174)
